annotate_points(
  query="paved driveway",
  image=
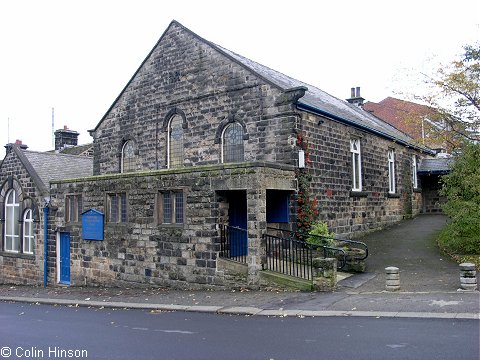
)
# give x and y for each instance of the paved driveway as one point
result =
(410, 246)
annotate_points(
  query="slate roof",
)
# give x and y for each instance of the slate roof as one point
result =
(314, 100)
(320, 100)
(45, 167)
(435, 166)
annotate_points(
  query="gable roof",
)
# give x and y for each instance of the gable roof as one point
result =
(314, 100)
(44, 167)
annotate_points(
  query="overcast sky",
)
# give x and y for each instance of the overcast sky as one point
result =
(76, 56)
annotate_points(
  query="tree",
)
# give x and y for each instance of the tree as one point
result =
(456, 99)
(462, 189)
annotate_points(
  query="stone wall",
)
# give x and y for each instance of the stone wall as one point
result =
(18, 268)
(143, 250)
(349, 213)
(184, 75)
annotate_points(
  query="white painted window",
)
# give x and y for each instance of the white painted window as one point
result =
(28, 231)
(356, 165)
(12, 236)
(391, 172)
(414, 172)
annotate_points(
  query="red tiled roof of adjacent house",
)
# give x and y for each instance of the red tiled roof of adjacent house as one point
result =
(404, 115)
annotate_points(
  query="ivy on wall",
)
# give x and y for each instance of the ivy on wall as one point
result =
(307, 205)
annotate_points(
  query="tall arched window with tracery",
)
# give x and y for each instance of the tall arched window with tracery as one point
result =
(128, 157)
(232, 143)
(28, 231)
(12, 236)
(175, 142)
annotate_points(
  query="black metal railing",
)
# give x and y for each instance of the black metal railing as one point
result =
(332, 247)
(233, 243)
(288, 256)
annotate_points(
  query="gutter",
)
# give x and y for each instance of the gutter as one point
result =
(45, 243)
(317, 111)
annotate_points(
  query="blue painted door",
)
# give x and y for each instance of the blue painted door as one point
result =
(237, 213)
(65, 258)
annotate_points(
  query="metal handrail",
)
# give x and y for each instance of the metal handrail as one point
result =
(294, 235)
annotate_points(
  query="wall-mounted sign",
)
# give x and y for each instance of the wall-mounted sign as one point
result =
(92, 225)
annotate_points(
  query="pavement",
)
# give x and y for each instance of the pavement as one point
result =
(429, 287)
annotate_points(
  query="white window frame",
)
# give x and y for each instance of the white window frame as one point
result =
(414, 172)
(355, 150)
(392, 186)
(12, 210)
(28, 236)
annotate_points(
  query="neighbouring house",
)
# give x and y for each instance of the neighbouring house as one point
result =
(418, 121)
(24, 205)
(201, 139)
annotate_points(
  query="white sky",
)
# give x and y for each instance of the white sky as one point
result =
(77, 55)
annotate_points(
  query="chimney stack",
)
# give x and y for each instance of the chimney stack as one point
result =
(355, 97)
(65, 138)
(9, 146)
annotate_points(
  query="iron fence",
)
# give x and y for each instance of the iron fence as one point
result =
(233, 243)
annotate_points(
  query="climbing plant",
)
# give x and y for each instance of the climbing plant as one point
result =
(307, 205)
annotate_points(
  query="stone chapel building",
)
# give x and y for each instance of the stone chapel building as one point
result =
(199, 138)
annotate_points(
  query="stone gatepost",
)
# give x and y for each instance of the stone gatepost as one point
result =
(468, 277)
(392, 275)
(324, 271)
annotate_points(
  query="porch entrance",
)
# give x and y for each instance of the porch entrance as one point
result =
(237, 218)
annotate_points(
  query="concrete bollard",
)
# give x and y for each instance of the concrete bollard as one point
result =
(392, 274)
(468, 277)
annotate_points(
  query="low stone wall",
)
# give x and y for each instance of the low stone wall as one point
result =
(324, 274)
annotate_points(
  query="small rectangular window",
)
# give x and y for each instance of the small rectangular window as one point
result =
(73, 207)
(170, 206)
(117, 208)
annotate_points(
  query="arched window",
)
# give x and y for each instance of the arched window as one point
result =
(232, 143)
(175, 142)
(28, 231)
(128, 157)
(12, 208)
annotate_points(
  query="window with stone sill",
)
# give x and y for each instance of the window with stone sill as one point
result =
(356, 165)
(232, 143)
(170, 207)
(28, 237)
(73, 208)
(414, 171)
(392, 188)
(12, 225)
(117, 208)
(128, 157)
(175, 142)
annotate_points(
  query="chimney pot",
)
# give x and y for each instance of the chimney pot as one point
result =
(358, 91)
(18, 142)
(352, 92)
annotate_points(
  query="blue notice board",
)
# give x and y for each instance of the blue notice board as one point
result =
(92, 225)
